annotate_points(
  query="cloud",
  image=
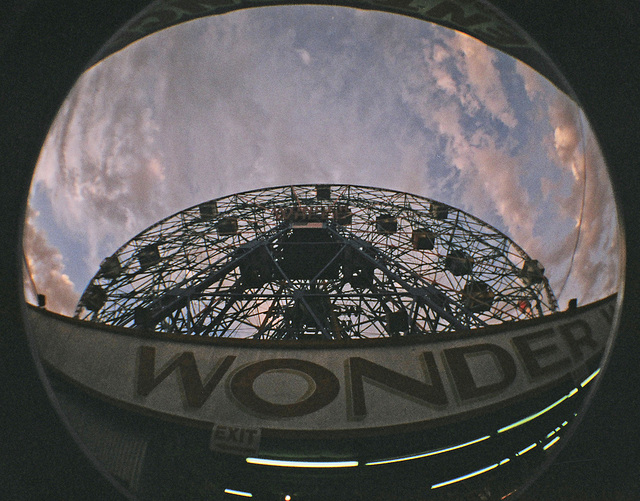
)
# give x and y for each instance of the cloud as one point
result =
(591, 251)
(189, 115)
(535, 84)
(304, 56)
(223, 104)
(45, 263)
(99, 163)
(567, 133)
(477, 62)
(529, 184)
(460, 82)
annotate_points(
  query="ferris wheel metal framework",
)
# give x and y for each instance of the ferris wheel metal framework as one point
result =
(317, 262)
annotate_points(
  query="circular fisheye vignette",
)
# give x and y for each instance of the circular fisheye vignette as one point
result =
(586, 381)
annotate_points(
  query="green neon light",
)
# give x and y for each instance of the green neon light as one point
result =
(551, 443)
(526, 449)
(464, 477)
(238, 493)
(590, 378)
(430, 453)
(533, 416)
(302, 464)
(539, 413)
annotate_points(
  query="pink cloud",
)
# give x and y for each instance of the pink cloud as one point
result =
(477, 62)
(591, 252)
(45, 264)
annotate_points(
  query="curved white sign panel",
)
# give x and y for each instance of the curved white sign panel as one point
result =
(353, 387)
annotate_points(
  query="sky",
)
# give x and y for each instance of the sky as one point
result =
(317, 94)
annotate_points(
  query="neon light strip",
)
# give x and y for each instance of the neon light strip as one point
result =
(504, 461)
(551, 443)
(553, 432)
(539, 413)
(431, 453)
(526, 449)
(302, 464)
(238, 493)
(464, 477)
(590, 378)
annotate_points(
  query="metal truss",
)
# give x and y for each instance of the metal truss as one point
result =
(317, 262)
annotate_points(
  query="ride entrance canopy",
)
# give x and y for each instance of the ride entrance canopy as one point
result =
(262, 240)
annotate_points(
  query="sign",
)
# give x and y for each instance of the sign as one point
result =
(235, 440)
(240, 386)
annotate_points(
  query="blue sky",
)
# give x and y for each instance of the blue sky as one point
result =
(307, 94)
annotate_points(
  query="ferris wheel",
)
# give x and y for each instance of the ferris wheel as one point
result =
(321, 262)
